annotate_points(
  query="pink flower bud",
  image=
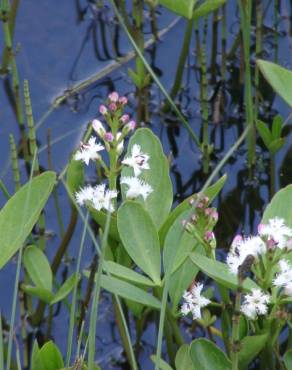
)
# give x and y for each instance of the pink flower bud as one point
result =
(131, 125)
(261, 228)
(125, 118)
(98, 127)
(271, 244)
(209, 235)
(114, 97)
(113, 107)
(237, 240)
(214, 215)
(289, 244)
(103, 109)
(208, 211)
(108, 136)
(123, 100)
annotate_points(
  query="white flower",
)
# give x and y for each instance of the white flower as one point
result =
(84, 195)
(102, 198)
(284, 277)
(138, 160)
(194, 301)
(243, 247)
(99, 197)
(277, 231)
(136, 187)
(89, 151)
(255, 304)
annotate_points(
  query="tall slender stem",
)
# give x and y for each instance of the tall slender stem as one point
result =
(94, 307)
(245, 21)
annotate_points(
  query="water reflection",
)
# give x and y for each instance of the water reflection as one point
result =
(98, 40)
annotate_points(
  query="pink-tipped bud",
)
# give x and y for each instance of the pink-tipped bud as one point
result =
(112, 107)
(131, 125)
(271, 244)
(108, 136)
(103, 109)
(125, 118)
(98, 127)
(114, 97)
(237, 240)
(123, 100)
(209, 235)
(261, 228)
(214, 215)
(208, 211)
(289, 244)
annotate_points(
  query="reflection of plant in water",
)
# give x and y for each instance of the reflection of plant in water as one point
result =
(158, 262)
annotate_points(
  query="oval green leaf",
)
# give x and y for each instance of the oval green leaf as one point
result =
(183, 359)
(21, 213)
(288, 359)
(66, 288)
(278, 206)
(100, 218)
(220, 273)
(140, 238)
(50, 357)
(38, 267)
(250, 347)
(128, 291)
(41, 293)
(178, 244)
(125, 273)
(279, 78)
(207, 7)
(181, 7)
(180, 280)
(206, 355)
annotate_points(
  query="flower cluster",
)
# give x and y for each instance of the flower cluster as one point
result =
(119, 126)
(270, 245)
(243, 247)
(194, 301)
(255, 304)
(273, 235)
(284, 277)
(139, 162)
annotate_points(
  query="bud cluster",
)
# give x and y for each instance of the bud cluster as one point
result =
(203, 219)
(119, 123)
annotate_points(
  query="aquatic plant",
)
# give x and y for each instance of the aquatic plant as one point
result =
(155, 253)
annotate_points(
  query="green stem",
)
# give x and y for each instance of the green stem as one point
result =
(182, 58)
(94, 307)
(74, 297)
(272, 175)
(245, 21)
(151, 72)
(16, 283)
(259, 22)
(14, 160)
(12, 17)
(223, 44)
(161, 321)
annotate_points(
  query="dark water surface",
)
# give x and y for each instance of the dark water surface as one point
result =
(64, 42)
